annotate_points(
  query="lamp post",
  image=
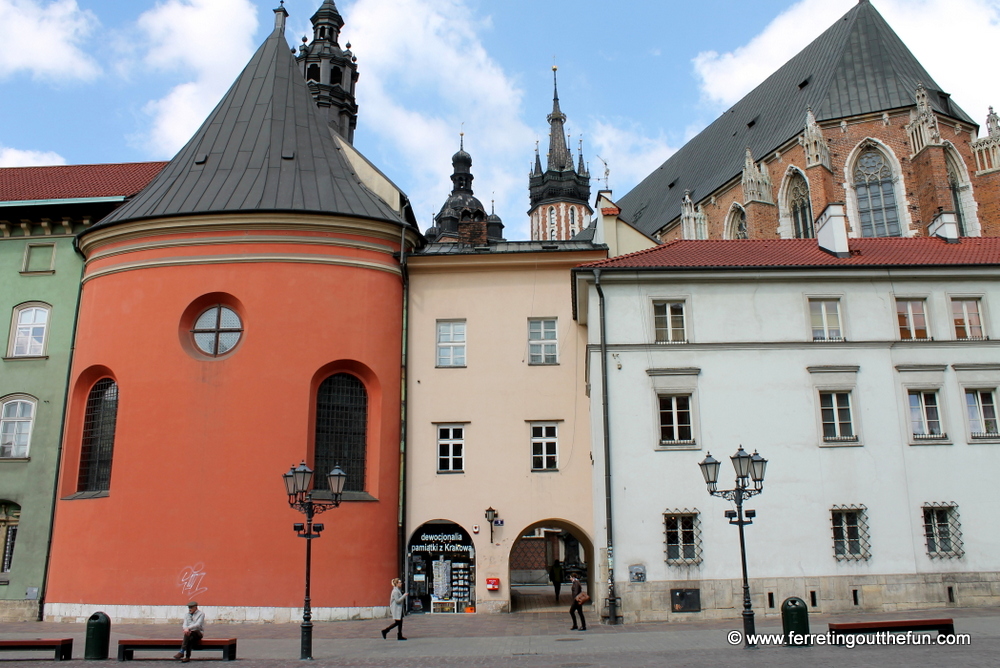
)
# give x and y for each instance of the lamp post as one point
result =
(297, 483)
(490, 516)
(749, 470)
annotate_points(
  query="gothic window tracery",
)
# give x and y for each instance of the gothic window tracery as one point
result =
(873, 182)
(800, 206)
(737, 224)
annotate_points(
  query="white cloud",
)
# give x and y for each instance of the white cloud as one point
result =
(955, 41)
(183, 37)
(628, 152)
(12, 157)
(45, 39)
(425, 73)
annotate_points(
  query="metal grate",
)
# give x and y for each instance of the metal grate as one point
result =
(98, 437)
(943, 531)
(341, 430)
(851, 541)
(682, 537)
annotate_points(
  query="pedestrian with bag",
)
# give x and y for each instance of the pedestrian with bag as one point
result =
(396, 599)
(579, 598)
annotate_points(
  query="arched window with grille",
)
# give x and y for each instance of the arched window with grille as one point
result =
(736, 226)
(99, 421)
(874, 185)
(10, 516)
(799, 205)
(341, 430)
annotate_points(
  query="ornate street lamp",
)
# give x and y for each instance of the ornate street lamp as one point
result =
(298, 481)
(490, 516)
(749, 482)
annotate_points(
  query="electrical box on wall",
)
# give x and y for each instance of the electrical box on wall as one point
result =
(685, 600)
(637, 573)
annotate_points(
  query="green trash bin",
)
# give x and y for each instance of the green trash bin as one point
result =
(98, 637)
(795, 619)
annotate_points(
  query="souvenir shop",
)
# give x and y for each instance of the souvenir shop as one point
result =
(441, 573)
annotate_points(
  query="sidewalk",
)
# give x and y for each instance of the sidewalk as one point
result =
(540, 639)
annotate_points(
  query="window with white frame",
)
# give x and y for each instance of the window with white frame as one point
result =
(850, 533)
(451, 343)
(925, 415)
(668, 322)
(675, 419)
(981, 407)
(543, 345)
(967, 318)
(544, 446)
(451, 448)
(836, 416)
(912, 319)
(942, 531)
(17, 416)
(682, 533)
(824, 319)
(30, 330)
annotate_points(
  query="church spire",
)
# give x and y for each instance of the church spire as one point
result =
(331, 71)
(559, 157)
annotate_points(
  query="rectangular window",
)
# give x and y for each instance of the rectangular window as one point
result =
(850, 533)
(668, 322)
(982, 410)
(966, 314)
(451, 343)
(942, 531)
(451, 448)
(683, 537)
(675, 420)
(824, 317)
(835, 413)
(925, 415)
(544, 447)
(911, 318)
(542, 342)
(39, 258)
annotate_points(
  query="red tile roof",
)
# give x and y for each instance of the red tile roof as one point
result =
(782, 253)
(76, 181)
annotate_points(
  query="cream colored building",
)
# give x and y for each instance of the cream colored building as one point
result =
(497, 417)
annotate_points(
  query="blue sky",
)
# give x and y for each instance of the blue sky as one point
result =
(90, 81)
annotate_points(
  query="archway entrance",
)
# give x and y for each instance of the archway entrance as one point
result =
(441, 568)
(533, 566)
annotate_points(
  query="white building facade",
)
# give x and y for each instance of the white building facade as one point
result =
(869, 382)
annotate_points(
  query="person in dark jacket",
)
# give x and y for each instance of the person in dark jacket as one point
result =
(577, 606)
(556, 576)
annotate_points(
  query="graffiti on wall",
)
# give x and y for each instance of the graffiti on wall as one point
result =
(190, 580)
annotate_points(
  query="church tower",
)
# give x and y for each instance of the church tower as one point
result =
(330, 71)
(560, 194)
(462, 217)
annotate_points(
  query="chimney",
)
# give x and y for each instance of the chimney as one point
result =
(472, 232)
(831, 230)
(945, 225)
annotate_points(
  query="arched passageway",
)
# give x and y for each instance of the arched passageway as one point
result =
(545, 552)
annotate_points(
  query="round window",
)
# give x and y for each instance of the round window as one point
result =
(217, 330)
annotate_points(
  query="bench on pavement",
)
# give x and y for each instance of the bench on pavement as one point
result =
(63, 647)
(942, 626)
(127, 648)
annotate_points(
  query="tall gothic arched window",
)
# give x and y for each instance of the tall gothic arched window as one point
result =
(572, 222)
(800, 206)
(736, 226)
(99, 422)
(552, 222)
(873, 183)
(341, 430)
(957, 185)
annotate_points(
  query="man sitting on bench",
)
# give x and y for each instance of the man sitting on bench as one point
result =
(194, 629)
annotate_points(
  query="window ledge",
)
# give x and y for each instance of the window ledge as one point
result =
(543, 363)
(853, 443)
(937, 439)
(972, 338)
(19, 358)
(450, 472)
(47, 272)
(87, 495)
(678, 445)
(357, 496)
(450, 366)
(986, 438)
(672, 343)
(15, 459)
(830, 339)
(545, 470)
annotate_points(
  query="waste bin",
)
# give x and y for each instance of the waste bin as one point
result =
(98, 637)
(795, 619)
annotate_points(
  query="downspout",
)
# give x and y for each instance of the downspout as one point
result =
(62, 435)
(401, 516)
(612, 597)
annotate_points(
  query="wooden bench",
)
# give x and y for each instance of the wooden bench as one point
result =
(942, 626)
(127, 648)
(63, 647)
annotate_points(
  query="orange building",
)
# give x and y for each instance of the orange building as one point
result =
(242, 313)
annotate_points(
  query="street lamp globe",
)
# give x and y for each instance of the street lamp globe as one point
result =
(303, 476)
(336, 479)
(741, 462)
(710, 469)
(757, 466)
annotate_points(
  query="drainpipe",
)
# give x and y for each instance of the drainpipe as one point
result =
(612, 597)
(401, 517)
(62, 435)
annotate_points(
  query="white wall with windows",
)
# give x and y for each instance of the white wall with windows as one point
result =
(872, 393)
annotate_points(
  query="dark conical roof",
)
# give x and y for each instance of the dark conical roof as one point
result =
(263, 148)
(858, 66)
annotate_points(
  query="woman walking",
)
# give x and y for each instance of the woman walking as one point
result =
(396, 608)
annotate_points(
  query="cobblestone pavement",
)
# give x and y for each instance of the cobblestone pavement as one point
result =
(540, 639)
